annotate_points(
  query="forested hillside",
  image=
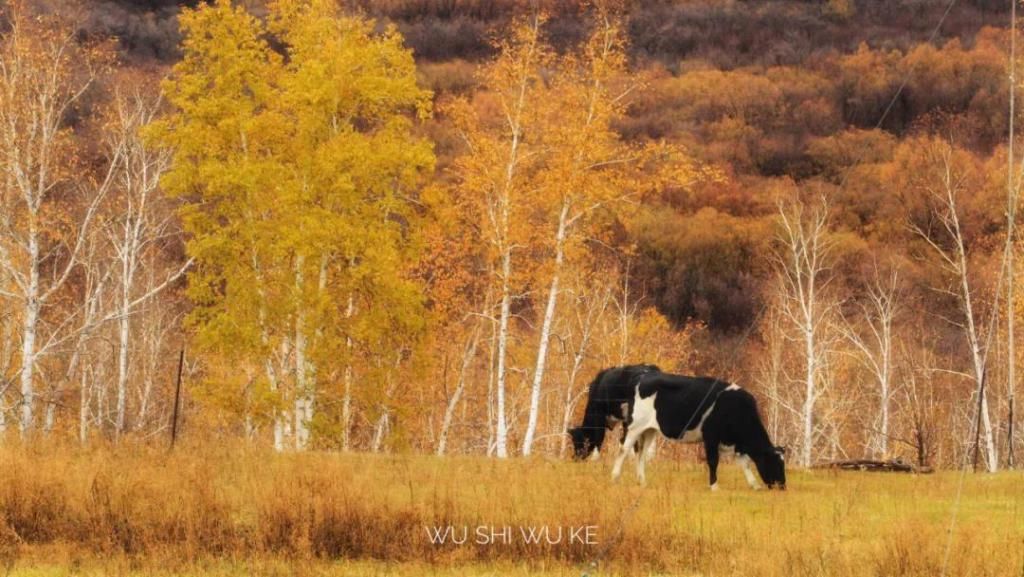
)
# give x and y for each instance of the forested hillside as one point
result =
(426, 224)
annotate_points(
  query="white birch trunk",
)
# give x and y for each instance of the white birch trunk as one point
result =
(84, 399)
(992, 458)
(380, 432)
(501, 427)
(449, 414)
(28, 338)
(545, 331)
(346, 400)
(305, 368)
(801, 266)
(491, 374)
(302, 402)
(503, 238)
(124, 332)
(810, 392)
(954, 260)
(571, 397)
(883, 433)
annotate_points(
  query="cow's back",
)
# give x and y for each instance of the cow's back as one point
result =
(681, 402)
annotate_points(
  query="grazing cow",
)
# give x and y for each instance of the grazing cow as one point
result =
(608, 400)
(701, 409)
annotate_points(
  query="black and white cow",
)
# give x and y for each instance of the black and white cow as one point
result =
(701, 409)
(608, 399)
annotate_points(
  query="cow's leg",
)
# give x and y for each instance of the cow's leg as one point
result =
(646, 440)
(711, 451)
(650, 446)
(744, 461)
(625, 431)
(627, 446)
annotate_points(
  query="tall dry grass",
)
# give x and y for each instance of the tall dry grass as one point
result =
(226, 508)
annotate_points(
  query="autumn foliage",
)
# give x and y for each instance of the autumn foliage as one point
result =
(423, 226)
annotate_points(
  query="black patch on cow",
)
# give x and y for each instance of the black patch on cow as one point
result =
(681, 401)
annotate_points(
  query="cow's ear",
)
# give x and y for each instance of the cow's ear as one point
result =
(781, 450)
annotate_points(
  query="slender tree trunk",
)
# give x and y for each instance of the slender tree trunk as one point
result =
(29, 330)
(570, 403)
(801, 263)
(810, 391)
(380, 432)
(504, 243)
(545, 331)
(501, 431)
(279, 421)
(84, 402)
(305, 368)
(302, 393)
(129, 252)
(883, 441)
(124, 332)
(346, 399)
(491, 374)
(992, 461)
(449, 413)
(157, 334)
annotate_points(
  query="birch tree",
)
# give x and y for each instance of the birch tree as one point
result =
(803, 261)
(585, 166)
(497, 168)
(44, 73)
(591, 303)
(945, 186)
(298, 174)
(141, 222)
(875, 347)
(468, 356)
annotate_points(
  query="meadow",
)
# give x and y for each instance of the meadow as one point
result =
(237, 511)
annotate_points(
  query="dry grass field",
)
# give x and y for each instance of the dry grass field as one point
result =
(228, 512)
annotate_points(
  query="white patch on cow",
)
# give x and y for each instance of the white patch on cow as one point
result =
(733, 387)
(644, 419)
(644, 415)
(696, 434)
(744, 461)
(595, 455)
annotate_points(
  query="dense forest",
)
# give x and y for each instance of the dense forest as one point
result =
(426, 224)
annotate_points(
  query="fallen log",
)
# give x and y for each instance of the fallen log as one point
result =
(890, 466)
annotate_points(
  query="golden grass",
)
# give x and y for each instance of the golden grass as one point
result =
(235, 511)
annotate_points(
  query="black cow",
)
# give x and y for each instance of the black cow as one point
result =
(608, 399)
(702, 409)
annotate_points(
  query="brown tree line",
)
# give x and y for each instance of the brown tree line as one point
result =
(587, 208)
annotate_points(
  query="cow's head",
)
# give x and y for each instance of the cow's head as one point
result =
(771, 465)
(584, 442)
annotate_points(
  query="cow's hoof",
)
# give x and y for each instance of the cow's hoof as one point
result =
(757, 487)
(714, 488)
